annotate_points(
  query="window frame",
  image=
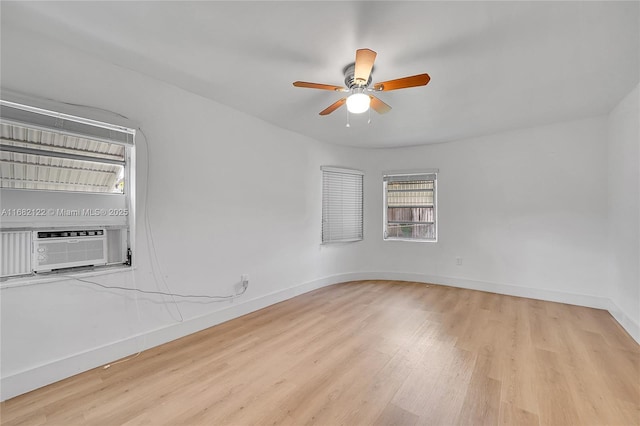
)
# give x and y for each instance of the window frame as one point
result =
(81, 126)
(345, 172)
(409, 174)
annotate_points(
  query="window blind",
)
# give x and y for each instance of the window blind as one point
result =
(342, 197)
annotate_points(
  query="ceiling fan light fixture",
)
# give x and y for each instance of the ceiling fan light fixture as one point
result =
(358, 102)
(357, 79)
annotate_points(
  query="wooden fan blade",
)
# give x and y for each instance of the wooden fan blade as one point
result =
(403, 83)
(319, 86)
(379, 106)
(334, 106)
(364, 65)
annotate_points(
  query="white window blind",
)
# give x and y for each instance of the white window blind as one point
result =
(410, 207)
(341, 205)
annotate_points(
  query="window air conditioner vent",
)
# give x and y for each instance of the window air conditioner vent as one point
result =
(69, 248)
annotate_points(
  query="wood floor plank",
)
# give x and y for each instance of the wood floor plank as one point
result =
(373, 395)
(362, 353)
(482, 400)
(555, 402)
(511, 415)
(433, 391)
(392, 415)
(518, 376)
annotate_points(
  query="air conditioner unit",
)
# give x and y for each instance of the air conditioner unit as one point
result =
(59, 249)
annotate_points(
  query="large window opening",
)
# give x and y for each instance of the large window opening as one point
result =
(67, 187)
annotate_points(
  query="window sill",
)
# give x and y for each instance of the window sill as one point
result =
(410, 240)
(355, 240)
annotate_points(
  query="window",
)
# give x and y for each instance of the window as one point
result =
(67, 187)
(410, 206)
(341, 205)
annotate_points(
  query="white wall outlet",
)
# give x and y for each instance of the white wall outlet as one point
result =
(458, 261)
(244, 281)
(242, 286)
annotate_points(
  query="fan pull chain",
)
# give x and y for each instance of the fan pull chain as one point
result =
(348, 125)
(369, 120)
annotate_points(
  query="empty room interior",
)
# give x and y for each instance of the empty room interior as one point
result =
(331, 213)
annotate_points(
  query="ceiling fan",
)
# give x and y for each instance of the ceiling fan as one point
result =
(358, 81)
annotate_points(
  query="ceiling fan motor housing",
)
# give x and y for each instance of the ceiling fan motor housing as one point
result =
(349, 77)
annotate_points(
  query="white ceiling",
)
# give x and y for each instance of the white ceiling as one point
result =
(494, 66)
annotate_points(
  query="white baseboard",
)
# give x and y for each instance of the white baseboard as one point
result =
(39, 376)
(632, 327)
(507, 289)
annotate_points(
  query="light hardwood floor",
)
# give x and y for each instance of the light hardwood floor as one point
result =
(368, 352)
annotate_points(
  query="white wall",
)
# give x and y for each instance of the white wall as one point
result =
(525, 210)
(229, 195)
(624, 212)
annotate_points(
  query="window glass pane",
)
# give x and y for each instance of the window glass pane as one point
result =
(25, 171)
(417, 184)
(46, 160)
(410, 199)
(410, 214)
(411, 231)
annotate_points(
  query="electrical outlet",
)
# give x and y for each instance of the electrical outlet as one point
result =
(458, 261)
(241, 287)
